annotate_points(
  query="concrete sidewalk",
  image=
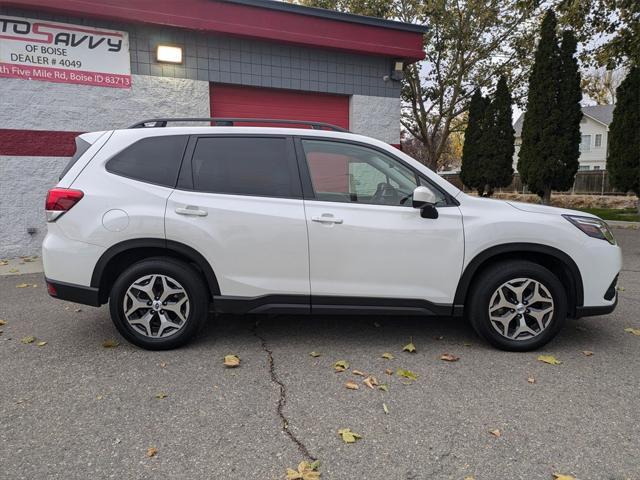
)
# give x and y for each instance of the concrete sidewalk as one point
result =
(20, 265)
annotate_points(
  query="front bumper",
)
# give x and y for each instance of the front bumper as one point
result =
(595, 311)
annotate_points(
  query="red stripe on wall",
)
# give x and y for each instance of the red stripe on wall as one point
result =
(37, 143)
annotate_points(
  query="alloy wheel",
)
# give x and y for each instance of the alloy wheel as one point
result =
(521, 309)
(156, 306)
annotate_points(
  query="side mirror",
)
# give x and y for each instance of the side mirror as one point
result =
(425, 200)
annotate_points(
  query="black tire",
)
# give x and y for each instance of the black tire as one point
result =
(190, 280)
(491, 279)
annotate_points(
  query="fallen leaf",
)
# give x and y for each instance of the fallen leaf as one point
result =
(29, 339)
(387, 356)
(110, 344)
(633, 331)
(351, 385)
(496, 433)
(550, 359)
(376, 324)
(99, 397)
(620, 288)
(231, 361)
(358, 372)
(41, 344)
(531, 380)
(348, 436)
(383, 387)
(14, 270)
(163, 365)
(314, 354)
(3, 322)
(388, 371)
(370, 382)
(341, 365)
(3, 263)
(22, 285)
(406, 374)
(439, 338)
(449, 357)
(580, 328)
(560, 476)
(384, 407)
(161, 395)
(305, 471)
(152, 452)
(467, 344)
(409, 347)
(469, 477)
(78, 310)
(587, 353)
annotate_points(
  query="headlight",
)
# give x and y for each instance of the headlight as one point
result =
(594, 227)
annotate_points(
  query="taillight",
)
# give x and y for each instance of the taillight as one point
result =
(61, 200)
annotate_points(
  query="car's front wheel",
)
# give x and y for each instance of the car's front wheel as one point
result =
(517, 305)
(159, 303)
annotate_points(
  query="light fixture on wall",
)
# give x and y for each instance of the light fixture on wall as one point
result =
(169, 54)
(398, 70)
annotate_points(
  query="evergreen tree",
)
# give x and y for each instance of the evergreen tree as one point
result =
(498, 140)
(472, 151)
(623, 156)
(569, 97)
(542, 145)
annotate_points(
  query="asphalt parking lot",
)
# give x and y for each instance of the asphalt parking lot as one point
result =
(72, 409)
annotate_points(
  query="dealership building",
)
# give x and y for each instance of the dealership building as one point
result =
(73, 66)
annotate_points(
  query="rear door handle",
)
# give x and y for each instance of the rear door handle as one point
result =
(191, 210)
(327, 218)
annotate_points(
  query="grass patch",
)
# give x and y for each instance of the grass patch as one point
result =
(620, 214)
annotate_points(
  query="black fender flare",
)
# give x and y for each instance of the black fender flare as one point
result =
(513, 248)
(155, 243)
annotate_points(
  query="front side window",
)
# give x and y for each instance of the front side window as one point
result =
(152, 160)
(260, 166)
(343, 172)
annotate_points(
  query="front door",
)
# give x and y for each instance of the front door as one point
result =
(367, 245)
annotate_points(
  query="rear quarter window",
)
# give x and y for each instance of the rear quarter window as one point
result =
(81, 147)
(152, 160)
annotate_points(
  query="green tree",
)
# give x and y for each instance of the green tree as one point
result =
(471, 172)
(548, 138)
(609, 30)
(498, 140)
(569, 97)
(623, 156)
(467, 46)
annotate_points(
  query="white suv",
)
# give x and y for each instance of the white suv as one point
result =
(162, 223)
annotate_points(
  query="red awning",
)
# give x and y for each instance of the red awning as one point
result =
(254, 19)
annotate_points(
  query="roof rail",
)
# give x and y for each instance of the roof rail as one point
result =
(230, 122)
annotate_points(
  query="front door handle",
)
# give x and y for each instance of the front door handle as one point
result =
(327, 218)
(191, 210)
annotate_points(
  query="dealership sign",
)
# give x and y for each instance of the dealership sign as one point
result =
(64, 53)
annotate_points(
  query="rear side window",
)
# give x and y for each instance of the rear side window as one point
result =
(152, 160)
(261, 166)
(81, 147)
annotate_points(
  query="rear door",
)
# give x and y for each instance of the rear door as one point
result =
(239, 203)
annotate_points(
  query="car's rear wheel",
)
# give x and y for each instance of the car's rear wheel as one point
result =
(517, 305)
(159, 303)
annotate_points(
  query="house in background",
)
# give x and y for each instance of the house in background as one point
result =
(594, 128)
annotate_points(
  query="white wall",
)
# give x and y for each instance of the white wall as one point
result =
(377, 117)
(35, 105)
(595, 156)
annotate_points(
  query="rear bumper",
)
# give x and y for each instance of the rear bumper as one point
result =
(73, 293)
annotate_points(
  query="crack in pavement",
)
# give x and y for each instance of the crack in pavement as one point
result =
(282, 399)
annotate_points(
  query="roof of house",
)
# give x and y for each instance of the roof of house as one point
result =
(258, 19)
(600, 113)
